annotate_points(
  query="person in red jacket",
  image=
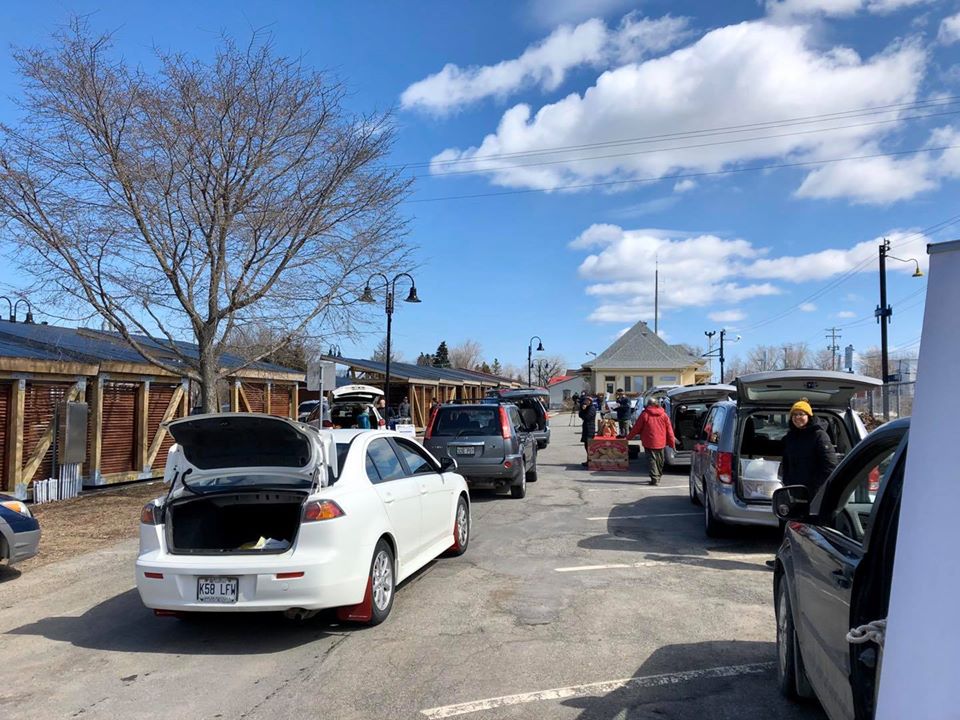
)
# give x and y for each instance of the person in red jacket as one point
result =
(655, 431)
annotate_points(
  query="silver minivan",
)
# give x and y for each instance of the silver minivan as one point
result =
(735, 466)
(687, 407)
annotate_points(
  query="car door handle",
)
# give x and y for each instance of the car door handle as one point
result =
(424, 489)
(388, 498)
(840, 579)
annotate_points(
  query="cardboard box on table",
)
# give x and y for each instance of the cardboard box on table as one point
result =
(608, 454)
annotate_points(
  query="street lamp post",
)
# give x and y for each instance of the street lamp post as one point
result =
(718, 353)
(883, 314)
(390, 288)
(530, 357)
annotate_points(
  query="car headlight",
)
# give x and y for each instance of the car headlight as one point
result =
(17, 506)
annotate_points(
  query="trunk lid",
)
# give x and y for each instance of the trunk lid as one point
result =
(357, 393)
(822, 388)
(701, 394)
(238, 442)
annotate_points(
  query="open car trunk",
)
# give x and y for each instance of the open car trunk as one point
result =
(254, 521)
(689, 407)
(531, 412)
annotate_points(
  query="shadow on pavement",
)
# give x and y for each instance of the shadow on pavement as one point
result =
(671, 526)
(670, 686)
(123, 624)
(8, 573)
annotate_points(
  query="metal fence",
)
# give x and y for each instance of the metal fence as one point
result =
(901, 400)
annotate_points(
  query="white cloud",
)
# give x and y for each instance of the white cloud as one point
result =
(546, 63)
(807, 307)
(836, 8)
(949, 30)
(846, 314)
(727, 316)
(747, 73)
(551, 13)
(684, 185)
(706, 271)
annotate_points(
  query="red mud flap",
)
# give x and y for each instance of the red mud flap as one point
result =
(358, 613)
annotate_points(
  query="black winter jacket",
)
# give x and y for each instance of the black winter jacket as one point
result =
(623, 408)
(808, 457)
(589, 417)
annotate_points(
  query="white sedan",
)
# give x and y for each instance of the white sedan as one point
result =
(265, 513)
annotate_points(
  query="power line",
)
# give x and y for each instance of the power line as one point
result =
(705, 132)
(650, 151)
(680, 176)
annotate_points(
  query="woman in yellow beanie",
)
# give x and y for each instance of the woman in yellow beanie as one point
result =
(808, 455)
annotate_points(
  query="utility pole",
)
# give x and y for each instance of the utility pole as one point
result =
(883, 313)
(709, 353)
(833, 347)
(656, 297)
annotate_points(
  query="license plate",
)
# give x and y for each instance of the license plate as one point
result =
(217, 589)
(466, 450)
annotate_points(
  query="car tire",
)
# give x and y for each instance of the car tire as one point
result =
(712, 526)
(383, 578)
(519, 490)
(791, 676)
(461, 528)
(694, 500)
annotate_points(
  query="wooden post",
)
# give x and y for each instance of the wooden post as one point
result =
(242, 398)
(15, 428)
(294, 400)
(168, 414)
(235, 397)
(143, 426)
(266, 397)
(95, 422)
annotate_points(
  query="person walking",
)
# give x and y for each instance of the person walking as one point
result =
(808, 455)
(623, 412)
(588, 414)
(656, 432)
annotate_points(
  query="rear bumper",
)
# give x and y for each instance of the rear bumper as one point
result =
(490, 474)
(730, 509)
(676, 457)
(326, 582)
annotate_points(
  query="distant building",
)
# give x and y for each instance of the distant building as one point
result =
(563, 387)
(640, 360)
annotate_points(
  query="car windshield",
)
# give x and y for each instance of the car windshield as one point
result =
(459, 421)
(307, 406)
(234, 481)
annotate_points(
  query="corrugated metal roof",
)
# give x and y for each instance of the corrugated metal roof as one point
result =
(65, 344)
(408, 371)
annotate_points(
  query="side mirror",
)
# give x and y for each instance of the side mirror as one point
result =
(448, 464)
(792, 503)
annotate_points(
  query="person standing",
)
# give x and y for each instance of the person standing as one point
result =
(588, 414)
(623, 412)
(405, 408)
(656, 432)
(808, 455)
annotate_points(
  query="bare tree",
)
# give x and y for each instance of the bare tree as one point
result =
(380, 352)
(794, 356)
(548, 367)
(466, 355)
(257, 340)
(870, 363)
(763, 357)
(825, 359)
(191, 202)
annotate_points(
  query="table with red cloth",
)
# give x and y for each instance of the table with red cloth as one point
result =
(608, 453)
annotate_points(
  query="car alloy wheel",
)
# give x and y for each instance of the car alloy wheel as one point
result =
(463, 525)
(382, 577)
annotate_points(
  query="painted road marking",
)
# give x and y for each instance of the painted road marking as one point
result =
(662, 558)
(643, 517)
(598, 688)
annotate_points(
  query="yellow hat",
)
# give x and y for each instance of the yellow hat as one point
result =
(802, 405)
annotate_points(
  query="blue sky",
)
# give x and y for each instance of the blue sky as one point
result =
(486, 93)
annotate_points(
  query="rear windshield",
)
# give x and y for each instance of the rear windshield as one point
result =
(348, 415)
(459, 421)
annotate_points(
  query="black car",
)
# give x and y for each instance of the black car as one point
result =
(833, 573)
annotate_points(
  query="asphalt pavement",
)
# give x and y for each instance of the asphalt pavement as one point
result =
(595, 597)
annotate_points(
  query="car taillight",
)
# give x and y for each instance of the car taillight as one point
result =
(546, 415)
(724, 465)
(321, 510)
(505, 428)
(151, 515)
(873, 480)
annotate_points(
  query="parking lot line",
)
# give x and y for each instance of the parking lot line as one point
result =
(643, 517)
(598, 688)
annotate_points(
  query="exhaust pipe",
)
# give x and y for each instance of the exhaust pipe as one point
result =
(299, 613)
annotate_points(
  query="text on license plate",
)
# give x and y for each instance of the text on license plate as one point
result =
(217, 589)
(466, 450)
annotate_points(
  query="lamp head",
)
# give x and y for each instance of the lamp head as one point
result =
(539, 347)
(367, 296)
(918, 272)
(412, 297)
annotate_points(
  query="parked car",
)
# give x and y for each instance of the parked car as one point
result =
(265, 513)
(19, 531)
(493, 445)
(833, 573)
(736, 459)
(305, 408)
(533, 409)
(347, 404)
(687, 407)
